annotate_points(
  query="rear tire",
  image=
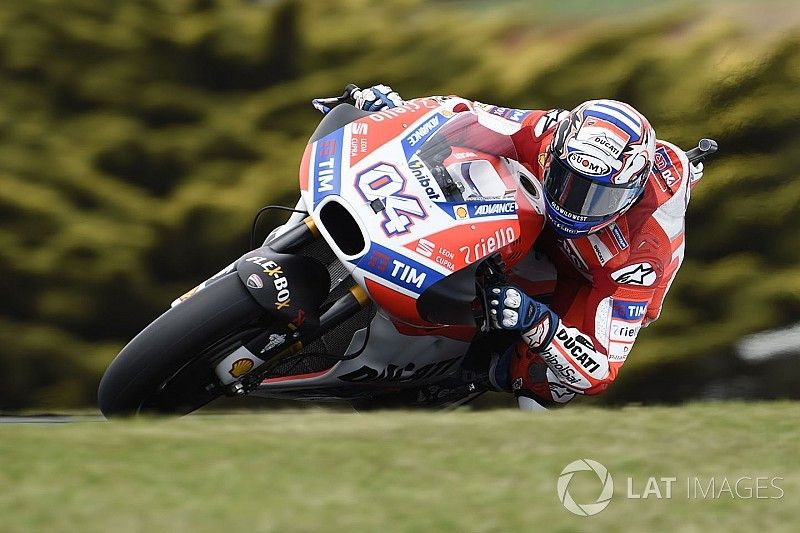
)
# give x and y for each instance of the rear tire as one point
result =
(139, 379)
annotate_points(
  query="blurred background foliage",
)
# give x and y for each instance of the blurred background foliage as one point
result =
(138, 137)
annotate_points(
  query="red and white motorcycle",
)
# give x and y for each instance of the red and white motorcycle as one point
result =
(372, 290)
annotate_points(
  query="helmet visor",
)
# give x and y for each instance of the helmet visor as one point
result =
(582, 198)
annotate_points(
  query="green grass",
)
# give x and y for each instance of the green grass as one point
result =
(396, 471)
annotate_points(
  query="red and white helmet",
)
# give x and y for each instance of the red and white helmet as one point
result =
(598, 163)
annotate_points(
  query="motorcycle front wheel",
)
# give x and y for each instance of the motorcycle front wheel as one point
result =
(168, 367)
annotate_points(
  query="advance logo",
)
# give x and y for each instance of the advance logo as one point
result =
(503, 208)
(422, 133)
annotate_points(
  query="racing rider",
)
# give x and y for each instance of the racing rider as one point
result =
(616, 199)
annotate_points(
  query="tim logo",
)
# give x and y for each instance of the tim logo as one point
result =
(630, 311)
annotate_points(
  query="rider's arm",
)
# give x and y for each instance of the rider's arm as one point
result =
(595, 333)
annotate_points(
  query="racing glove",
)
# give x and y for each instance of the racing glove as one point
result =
(511, 309)
(376, 98)
(695, 172)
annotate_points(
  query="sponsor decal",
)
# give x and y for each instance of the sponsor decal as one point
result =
(407, 274)
(424, 178)
(412, 107)
(435, 253)
(662, 160)
(482, 208)
(536, 337)
(399, 269)
(515, 115)
(254, 281)
(600, 249)
(637, 274)
(500, 208)
(359, 141)
(588, 164)
(327, 165)
(629, 310)
(563, 369)
(547, 121)
(378, 261)
(487, 245)
(240, 367)
(618, 353)
(579, 347)
(666, 167)
(399, 374)
(599, 253)
(421, 133)
(623, 331)
(275, 339)
(607, 144)
(384, 182)
(560, 393)
(465, 155)
(425, 247)
(567, 214)
(626, 320)
(618, 237)
(275, 271)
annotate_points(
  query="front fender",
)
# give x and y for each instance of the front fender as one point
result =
(290, 288)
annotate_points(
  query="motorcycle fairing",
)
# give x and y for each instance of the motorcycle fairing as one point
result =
(415, 232)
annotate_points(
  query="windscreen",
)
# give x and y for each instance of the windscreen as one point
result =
(469, 159)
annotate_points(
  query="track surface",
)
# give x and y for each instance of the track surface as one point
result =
(49, 419)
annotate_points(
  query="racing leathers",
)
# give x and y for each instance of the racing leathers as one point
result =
(599, 289)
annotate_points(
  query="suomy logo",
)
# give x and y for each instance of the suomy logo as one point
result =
(587, 164)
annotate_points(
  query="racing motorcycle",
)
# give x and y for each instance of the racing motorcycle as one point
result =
(373, 289)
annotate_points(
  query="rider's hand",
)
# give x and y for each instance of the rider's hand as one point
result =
(695, 171)
(376, 98)
(511, 309)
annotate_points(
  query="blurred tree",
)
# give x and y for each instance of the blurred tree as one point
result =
(137, 137)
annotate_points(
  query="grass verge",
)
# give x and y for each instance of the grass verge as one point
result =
(400, 471)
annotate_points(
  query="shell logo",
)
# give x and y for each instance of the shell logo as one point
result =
(240, 367)
(461, 212)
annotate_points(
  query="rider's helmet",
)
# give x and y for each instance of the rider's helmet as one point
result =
(597, 166)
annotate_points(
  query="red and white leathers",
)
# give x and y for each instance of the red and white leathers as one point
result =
(603, 287)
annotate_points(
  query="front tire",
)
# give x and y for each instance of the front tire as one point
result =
(150, 374)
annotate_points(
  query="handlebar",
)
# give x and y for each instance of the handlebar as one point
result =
(705, 148)
(324, 105)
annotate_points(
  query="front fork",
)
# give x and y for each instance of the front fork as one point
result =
(297, 328)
